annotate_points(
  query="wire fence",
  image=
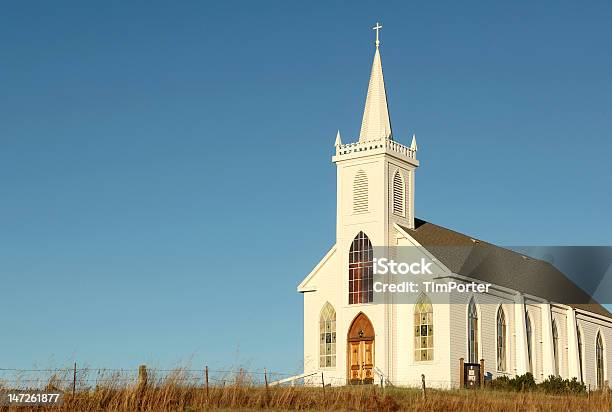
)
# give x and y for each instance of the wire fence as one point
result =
(74, 378)
(86, 378)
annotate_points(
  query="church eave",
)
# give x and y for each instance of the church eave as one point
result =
(305, 285)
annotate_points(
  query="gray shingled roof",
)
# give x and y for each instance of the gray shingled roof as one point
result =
(489, 263)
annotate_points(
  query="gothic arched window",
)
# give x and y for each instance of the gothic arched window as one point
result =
(423, 329)
(361, 273)
(398, 193)
(579, 335)
(529, 341)
(360, 192)
(472, 332)
(555, 336)
(501, 340)
(599, 360)
(327, 333)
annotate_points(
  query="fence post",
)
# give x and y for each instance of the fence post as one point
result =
(461, 372)
(267, 389)
(206, 378)
(482, 365)
(423, 386)
(74, 380)
(323, 384)
(142, 376)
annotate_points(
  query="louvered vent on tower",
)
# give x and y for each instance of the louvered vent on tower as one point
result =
(360, 192)
(398, 193)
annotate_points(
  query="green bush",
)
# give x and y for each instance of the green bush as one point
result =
(502, 383)
(518, 383)
(552, 385)
(558, 385)
(523, 382)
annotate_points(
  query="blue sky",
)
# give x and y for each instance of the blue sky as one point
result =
(165, 168)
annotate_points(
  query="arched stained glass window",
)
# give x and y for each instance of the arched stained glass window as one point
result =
(501, 340)
(529, 341)
(599, 361)
(327, 336)
(423, 329)
(361, 270)
(555, 336)
(472, 332)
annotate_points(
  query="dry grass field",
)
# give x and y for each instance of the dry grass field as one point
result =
(170, 394)
(177, 398)
(182, 389)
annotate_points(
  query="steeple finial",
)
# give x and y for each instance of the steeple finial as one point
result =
(375, 124)
(377, 28)
(338, 140)
(413, 145)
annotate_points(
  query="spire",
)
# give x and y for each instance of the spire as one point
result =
(413, 145)
(338, 140)
(376, 124)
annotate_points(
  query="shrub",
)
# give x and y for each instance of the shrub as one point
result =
(524, 382)
(576, 387)
(554, 385)
(558, 385)
(519, 383)
(501, 383)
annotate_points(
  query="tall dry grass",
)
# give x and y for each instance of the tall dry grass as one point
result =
(180, 391)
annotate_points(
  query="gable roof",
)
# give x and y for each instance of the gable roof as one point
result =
(484, 261)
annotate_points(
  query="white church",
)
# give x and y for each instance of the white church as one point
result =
(519, 325)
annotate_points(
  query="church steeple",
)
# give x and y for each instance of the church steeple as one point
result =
(376, 124)
(375, 174)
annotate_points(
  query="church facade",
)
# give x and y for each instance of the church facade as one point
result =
(517, 326)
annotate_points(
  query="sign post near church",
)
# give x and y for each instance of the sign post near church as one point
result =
(471, 375)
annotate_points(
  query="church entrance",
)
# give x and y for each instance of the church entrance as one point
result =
(360, 351)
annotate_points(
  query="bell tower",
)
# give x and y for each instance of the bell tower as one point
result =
(375, 174)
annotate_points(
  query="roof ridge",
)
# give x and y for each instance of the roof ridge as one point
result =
(504, 269)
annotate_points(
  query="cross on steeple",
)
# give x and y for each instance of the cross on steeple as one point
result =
(377, 28)
(376, 124)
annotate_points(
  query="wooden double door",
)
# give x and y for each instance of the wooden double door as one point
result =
(361, 351)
